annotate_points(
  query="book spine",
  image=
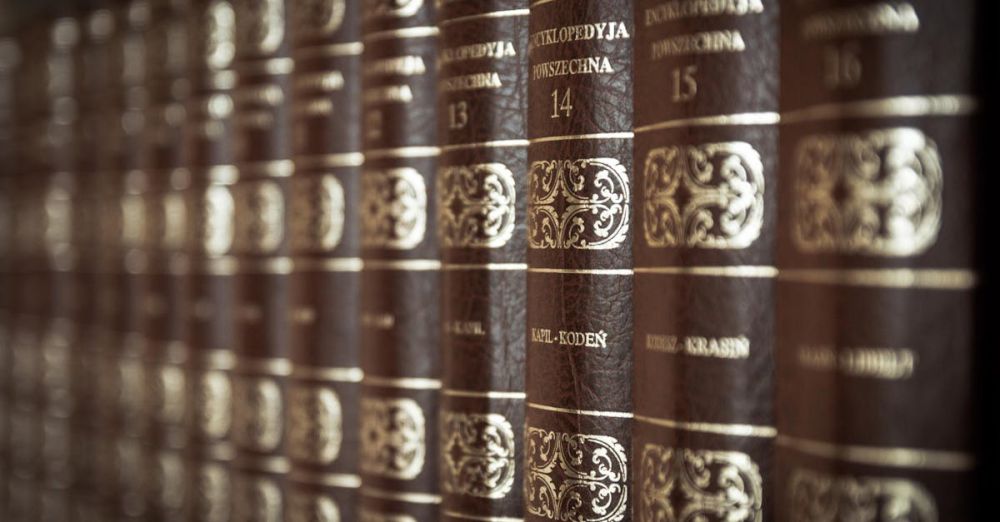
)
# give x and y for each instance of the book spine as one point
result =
(875, 359)
(165, 321)
(579, 287)
(209, 157)
(400, 280)
(9, 65)
(262, 154)
(706, 146)
(480, 201)
(325, 384)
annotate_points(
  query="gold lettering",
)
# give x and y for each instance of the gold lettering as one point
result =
(727, 41)
(397, 65)
(678, 9)
(872, 362)
(472, 328)
(585, 65)
(388, 94)
(378, 321)
(876, 19)
(326, 82)
(570, 338)
(574, 33)
(470, 82)
(477, 51)
(697, 346)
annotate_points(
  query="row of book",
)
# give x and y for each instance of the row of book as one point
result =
(492, 260)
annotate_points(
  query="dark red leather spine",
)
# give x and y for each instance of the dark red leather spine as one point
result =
(706, 151)
(875, 359)
(400, 280)
(325, 313)
(482, 107)
(579, 289)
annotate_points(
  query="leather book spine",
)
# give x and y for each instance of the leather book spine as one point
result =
(325, 385)
(262, 155)
(579, 290)
(209, 158)
(876, 252)
(706, 150)
(164, 307)
(482, 103)
(400, 351)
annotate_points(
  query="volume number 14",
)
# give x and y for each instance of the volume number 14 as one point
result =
(562, 104)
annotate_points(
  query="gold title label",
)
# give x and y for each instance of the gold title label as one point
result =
(257, 499)
(219, 29)
(259, 216)
(477, 454)
(317, 221)
(476, 205)
(217, 220)
(261, 24)
(318, 17)
(213, 494)
(393, 208)
(393, 438)
(312, 507)
(258, 416)
(315, 424)
(213, 404)
(813, 495)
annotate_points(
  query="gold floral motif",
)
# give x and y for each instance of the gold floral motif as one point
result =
(309, 507)
(320, 17)
(679, 484)
(260, 216)
(213, 493)
(169, 394)
(317, 220)
(575, 477)
(220, 32)
(315, 429)
(818, 497)
(169, 481)
(703, 196)
(476, 205)
(477, 454)
(213, 404)
(393, 208)
(874, 193)
(578, 204)
(261, 24)
(258, 419)
(393, 438)
(217, 220)
(257, 499)
(371, 516)
(391, 8)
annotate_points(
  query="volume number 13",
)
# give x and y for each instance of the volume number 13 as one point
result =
(562, 104)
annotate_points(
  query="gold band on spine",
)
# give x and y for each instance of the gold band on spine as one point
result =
(406, 32)
(269, 169)
(220, 451)
(342, 159)
(414, 265)
(933, 279)
(276, 465)
(513, 267)
(316, 373)
(463, 516)
(476, 394)
(336, 49)
(406, 383)
(711, 271)
(403, 152)
(588, 413)
(271, 66)
(269, 265)
(588, 271)
(410, 498)
(332, 480)
(223, 174)
(626, 135)
(736, 430)
(537, 3)
(898, 106)
(745, 118)
(217, 359)
(277, 366)
(481, 16)
(222, 266)
(497, 144)
(882, 456)
(330, 264)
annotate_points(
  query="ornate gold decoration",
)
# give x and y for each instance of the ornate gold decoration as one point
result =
(872, 193)
(220, 33)
(308, 507)
(578, 204)
(477, 454)
(217, 220)
(320, 17)
(213, 500)
(315, 429)
(260, 216)
(58, 220)
(317, 220)
(574, 477)
(133, 221)
(170, 394)
(678, 484)
(213, 404)
(258, 417)
(391, 8)
(476, 205)
(257, 499)
(820, 497)
(169, 481)
(175, 217)
(393, 437)
(703, 196)
(393, 208)
(261, 25)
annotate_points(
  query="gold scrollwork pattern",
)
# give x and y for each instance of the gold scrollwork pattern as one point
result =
(578, 204)
(217, 220)
(261, 24)
(393, 437)
(575, 477)
(213, 500)
(320, 17)
(257, 499)
(372, 516)
(315, 429)
(872, 193)
(170, 394)
(391, 8)
(220, 33)
(393, 208)
(213, 404)
(703, 196)
(260, 216)
(820, 497)
(477, 454)
(312, 507)
(679, 484)
(317, 221)
(476, 205)
(258, 419)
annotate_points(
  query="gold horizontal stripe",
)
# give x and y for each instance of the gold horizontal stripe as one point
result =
(933, 279)
(403, 152)
(485, 266)
(276, 366)
(496, 144)
(537, 3)
(216, 359)
(711, 271)
(746, 118)
(898, 106)
(406, 32)
(589, 413)
(337, 49)
(333, 480)
(221, 451)
(738, 430)
(405, 383)
(269, 265)
(343, 159)
(592, 271)
(416, 265)
(464, 516)
(271, 169)
(222, 174)
(476, 394)
(270, 66)
(227, 265)
(410, 498)
(895, 457)
(594, 136)
(332, 264)
(481, 16)
(276, 465)
(332, 374)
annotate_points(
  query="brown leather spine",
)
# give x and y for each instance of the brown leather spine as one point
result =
(261, 149)
(211, 36)
(579, 289)
(325, 384)
(482, 103)
(400, 280)
(706, 147)
(876, 250)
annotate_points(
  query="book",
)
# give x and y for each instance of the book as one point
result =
(706, 152)
(481, 183)
(325, 383)
(875, 310)
(9, 61)
(579, 290)
(400, 293)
